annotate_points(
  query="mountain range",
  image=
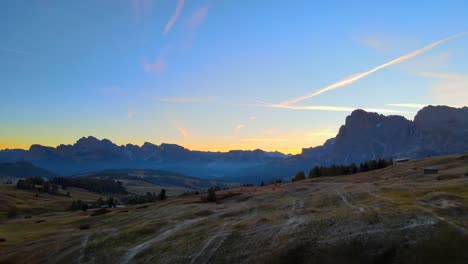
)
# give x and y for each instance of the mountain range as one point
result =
(436, 130)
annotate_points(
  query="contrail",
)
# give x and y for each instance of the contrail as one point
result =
(350, 79)
(329, 108)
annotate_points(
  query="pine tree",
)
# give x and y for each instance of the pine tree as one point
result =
(299, 176)
(162, 195)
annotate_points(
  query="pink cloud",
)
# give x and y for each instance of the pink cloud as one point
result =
(141, 7)
(198, 16)
(182, 131)
(158, 67)
(174, 17)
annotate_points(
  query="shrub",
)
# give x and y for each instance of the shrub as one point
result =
(84, 226)
(12, 212)
(99, 212)
(211, 195)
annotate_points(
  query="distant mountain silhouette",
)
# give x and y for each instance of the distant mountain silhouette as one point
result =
(436, 130)
(90, 154)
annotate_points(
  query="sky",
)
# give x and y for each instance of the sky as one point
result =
(219, 75)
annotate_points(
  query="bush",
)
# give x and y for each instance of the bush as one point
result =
(211, 195)
(99, 212)
(12, 212)
(84, 226)
(78, 205)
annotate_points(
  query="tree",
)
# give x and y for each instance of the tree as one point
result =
(162, 195)
(211, 195)
(354, 168)
(111, 202)
(262, 184)
(315, 172)
(299, 176)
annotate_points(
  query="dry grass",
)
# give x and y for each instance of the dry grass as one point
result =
(397, 214)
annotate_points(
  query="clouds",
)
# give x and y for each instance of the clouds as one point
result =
(158, 67)
(131, 114)
(141, 7)
(182, 131)
(187, 99)
(174, 17)
(330, 108)
(448, 88)
(408, 105)
(353, 78)
(198, 17)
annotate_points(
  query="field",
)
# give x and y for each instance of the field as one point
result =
(393, 215)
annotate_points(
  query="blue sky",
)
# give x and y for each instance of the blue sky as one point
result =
(214, 75)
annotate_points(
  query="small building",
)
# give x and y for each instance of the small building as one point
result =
(431, 170)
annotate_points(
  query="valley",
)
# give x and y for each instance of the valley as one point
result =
(396, 214)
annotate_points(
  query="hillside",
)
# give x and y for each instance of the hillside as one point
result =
(44, 204)
(394, 215)
(142, 181)
(23, 169)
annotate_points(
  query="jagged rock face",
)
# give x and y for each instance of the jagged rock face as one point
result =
(442, 130)
(369, 136)
(436, 130)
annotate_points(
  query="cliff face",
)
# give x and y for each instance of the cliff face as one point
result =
(436, 130)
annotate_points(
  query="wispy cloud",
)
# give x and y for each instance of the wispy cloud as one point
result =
(174, 17)
(182, 131)
(198, 16)
(444, 76)
(408, 105)
(131, 114)
(141, 7)
(16, 51)
(384, 42)
(448, 88)
(158, 67)
(353, 78)
(252, 118)
(329, 108)
(187, 99)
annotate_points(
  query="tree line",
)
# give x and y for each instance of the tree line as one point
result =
(39, 185)
(91, 184)
(335, 170)
(146, 198)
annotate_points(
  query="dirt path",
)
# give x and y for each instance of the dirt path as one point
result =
(345, 200)
(132, 252)
(443, 219)
(214, 242)
(421, 207)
